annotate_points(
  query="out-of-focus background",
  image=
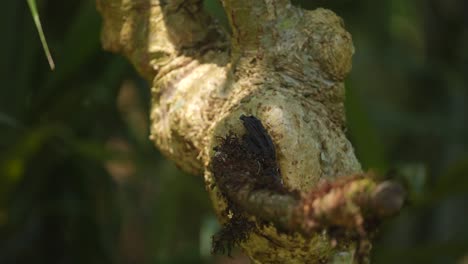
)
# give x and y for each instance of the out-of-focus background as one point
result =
(81, 183)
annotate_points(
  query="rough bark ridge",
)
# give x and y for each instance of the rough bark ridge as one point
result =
(283, 65)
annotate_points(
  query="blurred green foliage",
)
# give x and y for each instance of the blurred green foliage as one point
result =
(81, 183)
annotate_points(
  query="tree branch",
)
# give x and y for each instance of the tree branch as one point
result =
(330, 205)
(176, 46)
(249, 20)
(286, 67)
(153, 32)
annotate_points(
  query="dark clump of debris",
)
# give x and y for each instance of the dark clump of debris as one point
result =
(243, 164)
(233, 233)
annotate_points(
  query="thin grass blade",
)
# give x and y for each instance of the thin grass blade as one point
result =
(37, 21)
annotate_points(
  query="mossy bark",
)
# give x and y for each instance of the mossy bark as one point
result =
(282, 64)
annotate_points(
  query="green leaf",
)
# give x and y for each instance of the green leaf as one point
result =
(37, 21)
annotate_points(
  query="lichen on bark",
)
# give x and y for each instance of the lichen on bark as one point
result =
(282, 64)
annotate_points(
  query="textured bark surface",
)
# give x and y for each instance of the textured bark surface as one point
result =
(282, 64)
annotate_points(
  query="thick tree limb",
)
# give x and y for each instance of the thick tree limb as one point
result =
(250, 19)
(286, 67)
(175, 45)
(151, 33)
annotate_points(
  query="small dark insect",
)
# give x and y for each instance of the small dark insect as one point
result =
(259, 143)
(257, 137)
